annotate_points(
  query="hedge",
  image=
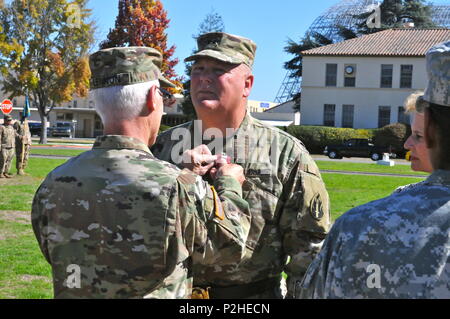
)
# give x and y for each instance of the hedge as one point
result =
(316, 138)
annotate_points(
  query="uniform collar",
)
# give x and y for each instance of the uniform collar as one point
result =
(246, 122)
(441, 177)
(120, 142)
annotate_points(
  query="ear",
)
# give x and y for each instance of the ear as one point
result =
(430, 130)
(152, 96)
(248, 85)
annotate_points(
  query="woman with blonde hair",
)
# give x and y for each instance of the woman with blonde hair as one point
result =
(419, 157)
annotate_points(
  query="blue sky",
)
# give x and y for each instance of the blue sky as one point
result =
(268, 23)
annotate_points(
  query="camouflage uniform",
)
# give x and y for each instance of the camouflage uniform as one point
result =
(115, 222)
(288, 200)
(398, 246)
(23, 145)
(288, 203)
(7, 141)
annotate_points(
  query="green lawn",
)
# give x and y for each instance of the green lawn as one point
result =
(348, 191)
(24, 273)
(372, 168)
(64, 141)
(65, 152)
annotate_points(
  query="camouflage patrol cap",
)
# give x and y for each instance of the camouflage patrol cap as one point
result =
(7, 118)
(126, 65)
(225, 47)
(438, 68)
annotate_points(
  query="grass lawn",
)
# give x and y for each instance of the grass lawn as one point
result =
(24, 273)
(348, 191)
(372, 168)
(65, 152)
(64, 141)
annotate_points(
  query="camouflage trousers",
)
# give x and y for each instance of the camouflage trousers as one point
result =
(22, 164)
(6, 158)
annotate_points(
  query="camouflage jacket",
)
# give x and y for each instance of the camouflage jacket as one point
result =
(395, 247)
(7, 136)
(132, 225)
(23, 130)
(287, 197)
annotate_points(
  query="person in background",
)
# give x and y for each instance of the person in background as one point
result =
(398, 246)
(7, 141)
(23, 144)
(420, 160)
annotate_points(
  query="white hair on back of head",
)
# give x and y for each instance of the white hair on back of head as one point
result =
(121, 102)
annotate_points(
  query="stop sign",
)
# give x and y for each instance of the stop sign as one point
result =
(7, 106)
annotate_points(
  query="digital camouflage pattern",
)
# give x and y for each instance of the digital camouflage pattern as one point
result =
(395, 247)
(7, 145)
(438, 68)
(288, 202)
(134, 225)
(225, 47)
(126, 65)
(23, 144)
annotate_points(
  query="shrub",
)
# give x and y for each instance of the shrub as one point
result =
(316, 138)
(394, 136)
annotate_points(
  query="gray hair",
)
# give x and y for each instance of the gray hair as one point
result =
(122, 102)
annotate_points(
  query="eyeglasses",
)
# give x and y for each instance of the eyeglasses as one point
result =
(167, 96)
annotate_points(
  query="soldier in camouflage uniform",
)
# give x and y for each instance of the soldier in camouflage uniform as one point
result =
(23, 145)
(398, 246)
(287, 197)
(7, 141)
(115, 222)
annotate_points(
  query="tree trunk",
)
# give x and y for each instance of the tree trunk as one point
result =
(43, 137)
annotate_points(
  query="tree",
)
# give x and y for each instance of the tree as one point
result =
(45, 57)
(213, 22)
(309, 41)
(394, 14)
(143, 23)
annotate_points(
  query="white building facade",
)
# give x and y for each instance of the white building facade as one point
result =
(363, 82)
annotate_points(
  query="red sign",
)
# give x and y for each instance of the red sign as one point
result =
(7, 106)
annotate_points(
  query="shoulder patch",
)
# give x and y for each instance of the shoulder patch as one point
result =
(316, 208)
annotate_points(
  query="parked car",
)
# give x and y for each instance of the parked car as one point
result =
(357, 147)
(35, 128)
(61, 129)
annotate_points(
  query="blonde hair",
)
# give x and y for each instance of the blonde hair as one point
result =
(410, 102)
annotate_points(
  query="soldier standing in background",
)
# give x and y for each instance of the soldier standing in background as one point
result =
(7, 141)
(397, 246)
(23, 144)
(287, 197)
(127, 224)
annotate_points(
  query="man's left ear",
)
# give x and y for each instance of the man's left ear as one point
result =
(248, 85)
(151, 98)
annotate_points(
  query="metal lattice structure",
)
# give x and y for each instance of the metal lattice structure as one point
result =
(343, 14)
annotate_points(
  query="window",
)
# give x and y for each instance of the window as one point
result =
(384, 116)
(402, 116)
(328, 114)
(386, 75)
(347, 115)
(331, 75)
(98, 123)
(75, 104)
(349, 75)
(406, 76)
